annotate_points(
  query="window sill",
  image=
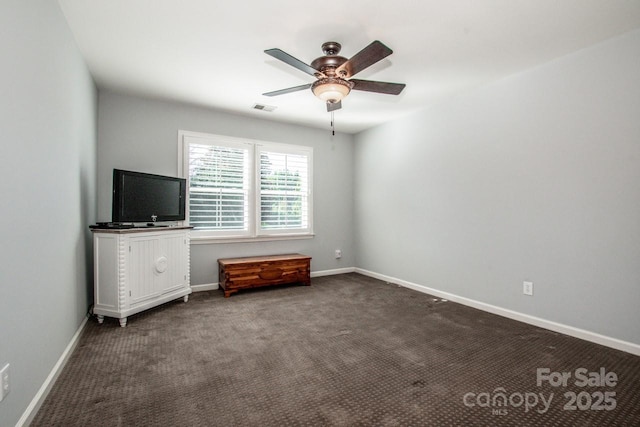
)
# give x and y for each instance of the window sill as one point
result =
(206, 240)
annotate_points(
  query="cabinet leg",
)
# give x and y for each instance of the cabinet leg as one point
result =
(123, 322)
(186, 298)
(100, 318)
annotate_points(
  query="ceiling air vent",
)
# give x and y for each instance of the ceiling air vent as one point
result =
(264, 107)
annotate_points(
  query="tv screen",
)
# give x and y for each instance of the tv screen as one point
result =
(144, 197)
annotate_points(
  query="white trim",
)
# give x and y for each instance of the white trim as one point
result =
(186, 138)
(204, 287)
(278, 148)
(333, 272)
(594, 337)
(31, 411)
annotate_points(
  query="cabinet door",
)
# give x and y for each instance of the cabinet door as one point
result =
(156, 265)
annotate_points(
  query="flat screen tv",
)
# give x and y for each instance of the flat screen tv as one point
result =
(144, 197)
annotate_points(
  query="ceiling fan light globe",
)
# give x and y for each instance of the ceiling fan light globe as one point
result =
(331, 89)
(331, 94)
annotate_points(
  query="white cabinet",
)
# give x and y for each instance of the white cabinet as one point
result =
(136, 269)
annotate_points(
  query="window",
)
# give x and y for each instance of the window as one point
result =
(246, 189)
(218, 183)
(284, 184)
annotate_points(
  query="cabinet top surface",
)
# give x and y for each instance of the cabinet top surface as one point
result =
(248, 260)
(138, 229)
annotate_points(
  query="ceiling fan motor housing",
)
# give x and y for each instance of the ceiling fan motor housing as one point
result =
(327, 64)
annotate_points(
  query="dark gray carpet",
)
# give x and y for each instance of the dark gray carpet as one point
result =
(347, 351)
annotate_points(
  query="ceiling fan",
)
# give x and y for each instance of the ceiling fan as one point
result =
(333, 73)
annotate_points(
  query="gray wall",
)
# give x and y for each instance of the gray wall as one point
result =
(48, 117)
(142, 134)
(535, 177)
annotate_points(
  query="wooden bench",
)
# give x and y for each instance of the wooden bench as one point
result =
(251, 272)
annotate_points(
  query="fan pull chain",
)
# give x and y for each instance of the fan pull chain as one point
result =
(333, 128)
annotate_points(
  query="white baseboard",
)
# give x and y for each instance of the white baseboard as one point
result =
(204, 287)
(532, 320)
(333, 272)
(44, 390)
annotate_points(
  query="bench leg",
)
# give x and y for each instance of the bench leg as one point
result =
(228, 292)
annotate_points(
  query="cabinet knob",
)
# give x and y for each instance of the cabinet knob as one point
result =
(161, 264)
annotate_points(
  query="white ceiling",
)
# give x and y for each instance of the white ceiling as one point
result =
(210, 52)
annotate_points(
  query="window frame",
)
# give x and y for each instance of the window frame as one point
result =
(286, 150)
(254, 232)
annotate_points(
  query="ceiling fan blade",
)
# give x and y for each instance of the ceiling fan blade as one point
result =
(379, 87)
(288, 90)
(294, 62)
(365, 58)
(333, 106)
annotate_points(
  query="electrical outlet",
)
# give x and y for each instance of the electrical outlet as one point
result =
(527, 288)
(338, 254)
(4, 382)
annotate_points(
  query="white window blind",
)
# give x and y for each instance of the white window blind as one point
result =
(246, 189)
(218, 187)
(284, 191)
